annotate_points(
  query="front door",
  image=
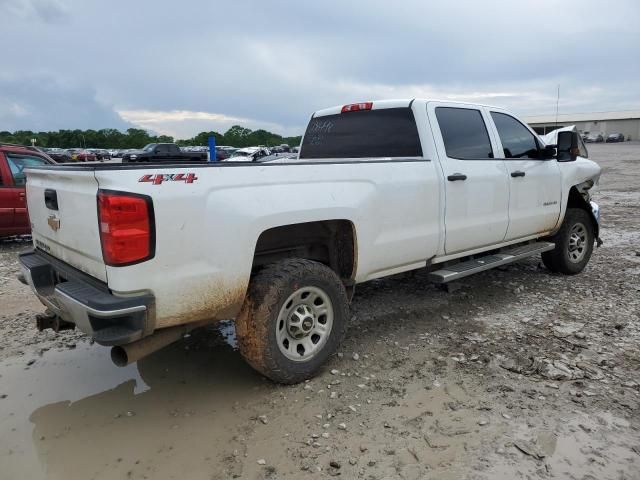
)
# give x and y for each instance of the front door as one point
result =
(535, 184)
(476, 183)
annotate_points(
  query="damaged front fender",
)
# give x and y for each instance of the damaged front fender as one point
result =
(595, 214)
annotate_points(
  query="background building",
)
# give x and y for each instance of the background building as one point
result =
(626, 122)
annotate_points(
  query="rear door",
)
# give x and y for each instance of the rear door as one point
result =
(173, 152)
(163, 153)
(64, 216)
(535, 184)
(476, 183)
(17, 164)
(8, 198)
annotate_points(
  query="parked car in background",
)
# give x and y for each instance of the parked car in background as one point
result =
(249, 154)
(82, 155)
(60, 155)
(594, 138)
(14, 219)
(614, 138)
(163, 152)
(101, 154)
(222, 154)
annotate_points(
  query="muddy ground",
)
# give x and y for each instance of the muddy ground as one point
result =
(515, 373)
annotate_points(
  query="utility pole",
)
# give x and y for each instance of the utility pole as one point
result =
(557, 103)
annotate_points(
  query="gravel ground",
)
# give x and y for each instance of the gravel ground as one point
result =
(514, 373)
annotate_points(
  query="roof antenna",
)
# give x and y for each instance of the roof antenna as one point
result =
(557, 102)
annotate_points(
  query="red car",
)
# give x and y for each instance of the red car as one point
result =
(80, 155)
(14, 219)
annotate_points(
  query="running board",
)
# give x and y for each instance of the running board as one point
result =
(508, 255)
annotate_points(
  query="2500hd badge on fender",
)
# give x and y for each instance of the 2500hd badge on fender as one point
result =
(379, 188)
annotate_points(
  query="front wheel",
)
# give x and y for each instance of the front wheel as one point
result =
(292, 320)
(574, 244)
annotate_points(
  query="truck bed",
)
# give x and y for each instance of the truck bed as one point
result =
(206, 230)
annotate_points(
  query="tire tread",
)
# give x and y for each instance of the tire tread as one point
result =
(262, 305)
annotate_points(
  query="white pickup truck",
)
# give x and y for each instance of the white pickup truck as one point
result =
(137, 255)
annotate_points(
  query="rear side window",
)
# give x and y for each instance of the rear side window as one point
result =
(389, 132)
(464, 133)
(17, 164)
(517, 140)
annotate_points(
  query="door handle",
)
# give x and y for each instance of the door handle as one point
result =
(517, 173)
(456, 176)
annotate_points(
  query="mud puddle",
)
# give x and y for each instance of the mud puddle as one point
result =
(72, 414)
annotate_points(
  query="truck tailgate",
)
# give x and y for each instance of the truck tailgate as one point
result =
(65, 223)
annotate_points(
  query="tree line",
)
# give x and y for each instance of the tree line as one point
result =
(236, 136)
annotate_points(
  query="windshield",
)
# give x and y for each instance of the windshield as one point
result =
(149, 147)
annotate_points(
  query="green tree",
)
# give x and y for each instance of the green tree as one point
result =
(236, 136)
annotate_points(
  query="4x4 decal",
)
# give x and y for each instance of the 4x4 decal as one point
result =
(157, 179)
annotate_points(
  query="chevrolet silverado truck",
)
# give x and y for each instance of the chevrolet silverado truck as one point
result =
(162, 152)
(137, 255)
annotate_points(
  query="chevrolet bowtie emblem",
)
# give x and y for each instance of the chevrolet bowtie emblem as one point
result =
(54, 223)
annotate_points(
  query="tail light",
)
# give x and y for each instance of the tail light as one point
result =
(127, 228)
(356, 107)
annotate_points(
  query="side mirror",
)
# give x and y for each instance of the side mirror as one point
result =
(568, 146)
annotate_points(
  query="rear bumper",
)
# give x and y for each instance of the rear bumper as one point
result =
(84, 301)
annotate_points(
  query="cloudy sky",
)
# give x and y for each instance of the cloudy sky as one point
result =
(183, 67)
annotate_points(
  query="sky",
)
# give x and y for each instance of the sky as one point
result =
(179, 68)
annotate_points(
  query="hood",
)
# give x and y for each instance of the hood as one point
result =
(551, 138)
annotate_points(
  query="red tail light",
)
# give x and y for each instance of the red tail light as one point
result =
(127, 228)
(355, 107)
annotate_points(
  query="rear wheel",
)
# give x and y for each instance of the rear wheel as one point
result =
(574, 244)
(293, 319)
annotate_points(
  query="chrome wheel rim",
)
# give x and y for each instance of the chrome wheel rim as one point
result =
(577, 247)
(304, 324)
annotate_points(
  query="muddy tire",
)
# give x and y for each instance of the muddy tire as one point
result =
(293, 319)
(574, 244)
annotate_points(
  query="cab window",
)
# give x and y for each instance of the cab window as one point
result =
(464, 133)
(517, 140)
(17, 164)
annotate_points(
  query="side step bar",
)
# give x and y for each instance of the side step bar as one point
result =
(508, 255)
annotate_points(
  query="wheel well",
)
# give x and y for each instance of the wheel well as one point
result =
(331, 242)
(576, 200)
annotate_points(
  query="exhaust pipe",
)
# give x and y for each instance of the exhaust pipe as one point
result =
(123, 355)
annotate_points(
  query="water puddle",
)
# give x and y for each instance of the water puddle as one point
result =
(73, 414)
